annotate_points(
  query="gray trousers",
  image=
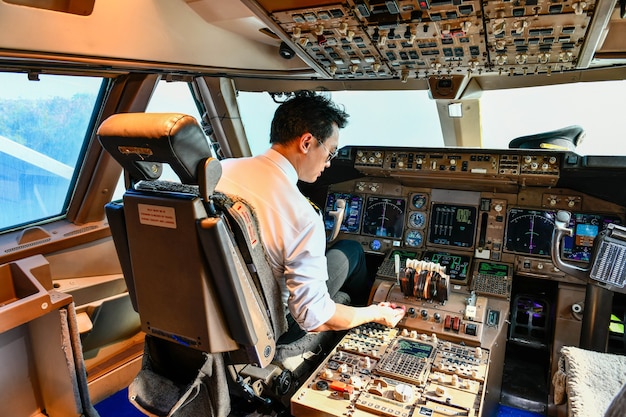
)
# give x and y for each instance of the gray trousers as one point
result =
(347, 271)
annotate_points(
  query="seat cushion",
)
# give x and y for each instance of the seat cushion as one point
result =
(590, 380)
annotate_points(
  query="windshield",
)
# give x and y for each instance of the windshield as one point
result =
(507, 114)
(410, 118)
(375, 118)
(44, 123)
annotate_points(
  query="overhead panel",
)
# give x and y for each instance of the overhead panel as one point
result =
(536, 36)
(361, 39)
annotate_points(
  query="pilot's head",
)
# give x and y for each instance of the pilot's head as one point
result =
(305, 129)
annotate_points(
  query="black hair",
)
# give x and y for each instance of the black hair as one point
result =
(306, 112)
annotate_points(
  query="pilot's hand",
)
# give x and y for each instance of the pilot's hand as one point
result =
(389, 314)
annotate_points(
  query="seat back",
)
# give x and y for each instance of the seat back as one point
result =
(188, 280)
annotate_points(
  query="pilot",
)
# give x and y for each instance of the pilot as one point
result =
(304, 139)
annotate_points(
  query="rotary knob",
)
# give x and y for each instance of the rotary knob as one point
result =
(403, 393)
(356, 382)
(321, 385)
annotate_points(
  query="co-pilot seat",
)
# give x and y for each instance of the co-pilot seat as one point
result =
(197, 275)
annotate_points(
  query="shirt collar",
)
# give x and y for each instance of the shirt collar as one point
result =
(283, 163)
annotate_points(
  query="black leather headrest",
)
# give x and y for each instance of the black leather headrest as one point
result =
(140, 142)
(565, 139)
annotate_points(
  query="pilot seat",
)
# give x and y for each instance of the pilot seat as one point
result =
(197, 275)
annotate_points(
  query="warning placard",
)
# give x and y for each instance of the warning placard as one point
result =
(246, 216)
(157, 216)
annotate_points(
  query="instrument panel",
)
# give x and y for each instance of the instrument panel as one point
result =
(479, 219)
(456, 207)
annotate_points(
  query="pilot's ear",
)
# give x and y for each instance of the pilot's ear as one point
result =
(305, 142)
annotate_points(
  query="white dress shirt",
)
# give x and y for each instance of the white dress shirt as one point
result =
(292, 232)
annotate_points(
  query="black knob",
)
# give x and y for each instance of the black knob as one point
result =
(321, 385)
(282, 383)
(411, 312)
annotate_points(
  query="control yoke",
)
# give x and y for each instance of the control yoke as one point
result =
(608, 257)
(605, 274)
(561, 230)
(338, 215)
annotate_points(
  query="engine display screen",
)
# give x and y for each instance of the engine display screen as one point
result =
(457, 266)
(452, 225)
(586, 227)
(529, 231)
(403, 254)
(384, 217)
(352, 217)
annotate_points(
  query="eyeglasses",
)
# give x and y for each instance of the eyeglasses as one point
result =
(331, 155)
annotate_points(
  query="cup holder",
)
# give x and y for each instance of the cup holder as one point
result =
(22, 296)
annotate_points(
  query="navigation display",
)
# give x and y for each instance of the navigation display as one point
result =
(452, 225)
(586, 227)
(529, 231)
(352, 217)
(384, 217)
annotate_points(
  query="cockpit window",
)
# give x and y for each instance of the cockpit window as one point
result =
(44, 123)
(411, 118)
(594, 106)
(401, 118)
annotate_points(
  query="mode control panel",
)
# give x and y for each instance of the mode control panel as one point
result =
(530, 167)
